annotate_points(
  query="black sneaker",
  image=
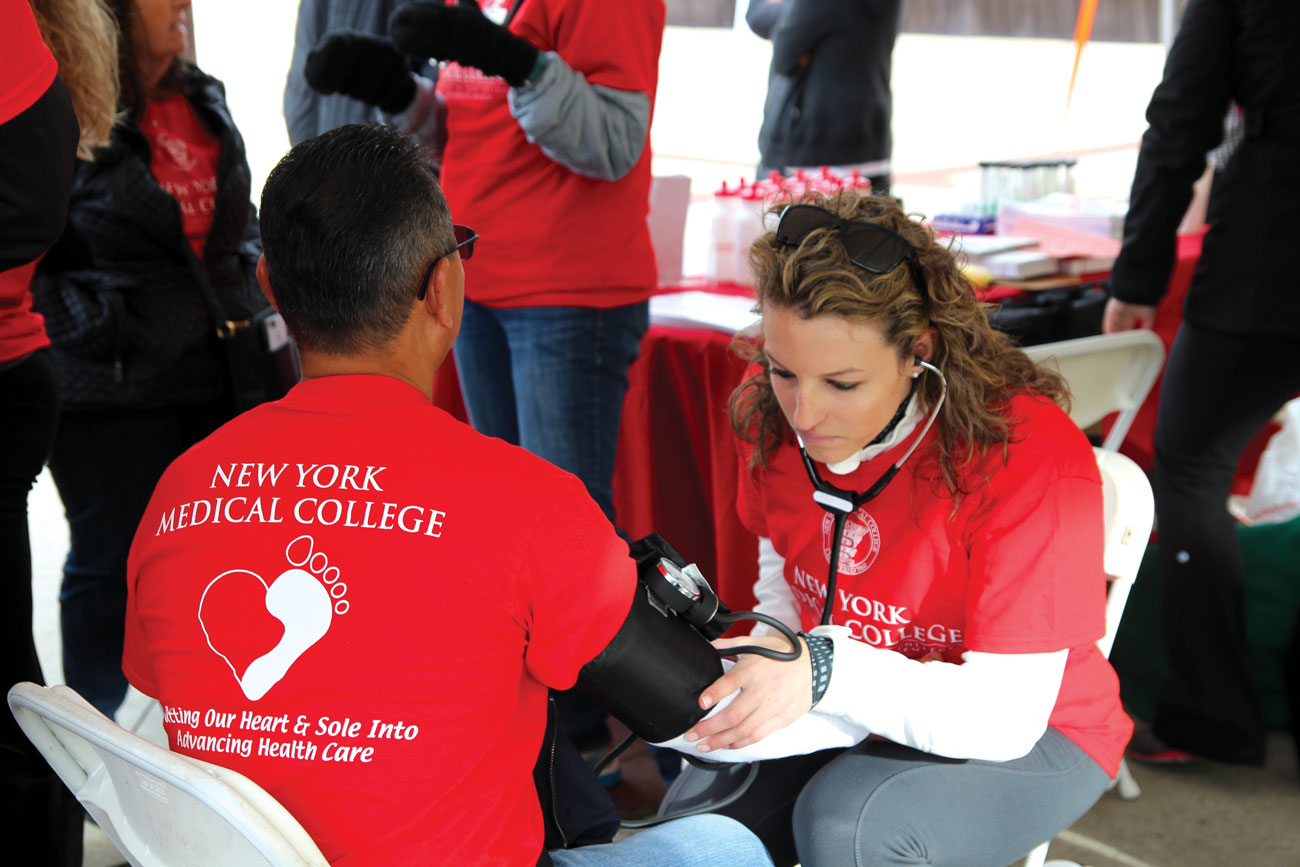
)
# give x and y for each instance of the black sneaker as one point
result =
(1146, 747)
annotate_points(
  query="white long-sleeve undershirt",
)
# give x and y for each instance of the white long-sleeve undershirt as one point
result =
(992, 706)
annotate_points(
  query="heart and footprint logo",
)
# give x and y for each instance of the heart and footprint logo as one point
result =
(241, 615)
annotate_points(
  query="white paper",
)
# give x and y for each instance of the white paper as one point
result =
(696, 309)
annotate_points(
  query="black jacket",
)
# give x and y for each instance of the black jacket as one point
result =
(835, 109)
(121, 303)
(1247, 51)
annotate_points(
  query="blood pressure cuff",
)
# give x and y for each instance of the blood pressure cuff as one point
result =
(652, 672)
(647, 553)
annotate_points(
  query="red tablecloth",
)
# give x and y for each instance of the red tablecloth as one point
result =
(677, 466)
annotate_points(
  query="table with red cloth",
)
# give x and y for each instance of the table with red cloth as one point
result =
(676, 468)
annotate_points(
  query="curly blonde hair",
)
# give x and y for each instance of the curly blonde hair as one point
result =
(82, 36)
(983, 367)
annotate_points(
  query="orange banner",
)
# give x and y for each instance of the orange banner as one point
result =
(1082, 33)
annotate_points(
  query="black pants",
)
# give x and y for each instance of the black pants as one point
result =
(105, 464)
(1219, 391)
(37, 808)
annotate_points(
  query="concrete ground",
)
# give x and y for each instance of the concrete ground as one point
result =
(957, 101)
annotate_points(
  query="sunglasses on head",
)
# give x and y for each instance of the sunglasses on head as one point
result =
(465, 238)
(872, 247)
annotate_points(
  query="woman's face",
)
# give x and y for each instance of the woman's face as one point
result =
(160, 32)
(836, 379)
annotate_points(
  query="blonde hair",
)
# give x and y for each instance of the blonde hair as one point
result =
(983, 367)
(82, 36)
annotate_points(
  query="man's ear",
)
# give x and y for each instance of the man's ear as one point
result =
(264, 280)
(437, 301)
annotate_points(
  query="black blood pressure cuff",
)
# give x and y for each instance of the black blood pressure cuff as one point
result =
(648, 552)
(821, 653)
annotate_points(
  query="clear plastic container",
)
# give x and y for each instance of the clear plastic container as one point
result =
(720, 259)
(749, 226)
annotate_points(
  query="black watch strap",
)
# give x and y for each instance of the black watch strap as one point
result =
(821, 654)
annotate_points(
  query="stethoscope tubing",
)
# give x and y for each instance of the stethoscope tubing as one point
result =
(842, 503)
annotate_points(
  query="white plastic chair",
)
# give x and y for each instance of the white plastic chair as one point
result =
(1106, 373)
(160, 809)
(1129, 508)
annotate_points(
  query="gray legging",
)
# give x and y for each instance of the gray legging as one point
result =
(883, 804)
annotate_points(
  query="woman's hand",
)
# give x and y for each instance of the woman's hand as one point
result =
(773, 694)
(1122, 316)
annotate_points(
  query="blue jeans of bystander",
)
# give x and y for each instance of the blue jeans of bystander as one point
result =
(552, 379)
(696, 841)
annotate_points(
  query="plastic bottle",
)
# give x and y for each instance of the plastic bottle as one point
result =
(827, 182)
(720, 263)
(749, 225)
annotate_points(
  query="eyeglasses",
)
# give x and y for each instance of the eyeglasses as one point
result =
(465, 238)
(872, 247)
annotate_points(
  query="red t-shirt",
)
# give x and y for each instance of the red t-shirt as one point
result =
(29, 67)
(1017, 568)
(550, 236)
(22, 330)
(426, 585)
(185, 154)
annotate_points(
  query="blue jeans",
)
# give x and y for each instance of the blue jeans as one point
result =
(552, 379)
(105, 464)
(696, 841)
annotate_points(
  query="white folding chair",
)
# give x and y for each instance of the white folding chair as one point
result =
(1106, 373)
(1129, 508)
(160, 809)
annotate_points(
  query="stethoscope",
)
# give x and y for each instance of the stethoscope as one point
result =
(841, 503)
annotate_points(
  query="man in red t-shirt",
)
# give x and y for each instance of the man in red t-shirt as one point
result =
(350, 597)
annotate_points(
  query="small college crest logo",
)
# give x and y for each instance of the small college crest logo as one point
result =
(859, 545)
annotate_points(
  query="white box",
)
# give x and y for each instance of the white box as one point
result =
(1102, 217)
(670, 196)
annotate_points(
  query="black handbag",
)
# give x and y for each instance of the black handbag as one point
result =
(261, 356)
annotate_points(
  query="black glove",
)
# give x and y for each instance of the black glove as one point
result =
(363, 67)
(461, 33)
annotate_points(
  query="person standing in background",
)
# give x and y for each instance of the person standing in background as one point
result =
(547, 134)
(306, 112)
(828, 95)
(1232, 364)
(142, 375)
(57, 101)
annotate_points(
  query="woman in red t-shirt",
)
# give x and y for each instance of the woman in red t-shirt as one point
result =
(957, 708)
(141, 373)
